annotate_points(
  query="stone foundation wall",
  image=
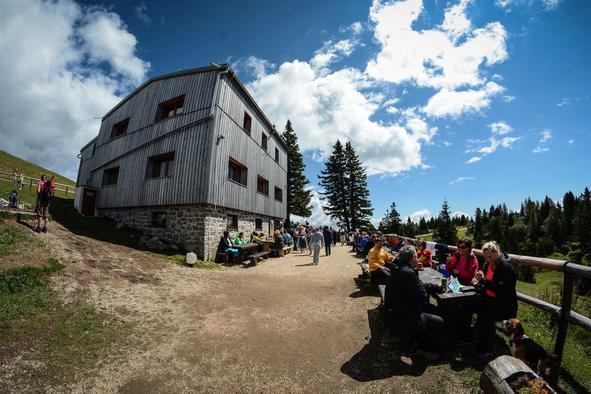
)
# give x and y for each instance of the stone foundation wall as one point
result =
(196, 228)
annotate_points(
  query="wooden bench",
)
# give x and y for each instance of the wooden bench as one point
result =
(365, 269)
(221, 258)
(285, 250)
(255, 258)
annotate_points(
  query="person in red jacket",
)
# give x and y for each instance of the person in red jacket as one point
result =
(464, 263)
(424, 255)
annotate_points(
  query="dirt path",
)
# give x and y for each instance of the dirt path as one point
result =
(283, 326)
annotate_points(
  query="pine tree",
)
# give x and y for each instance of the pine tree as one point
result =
(298, 198)
(569, 209)
(583, 222)
(423, 229)
(390, 224)
(445, 231)
(335, 184)
(478, 230)
(360, 209)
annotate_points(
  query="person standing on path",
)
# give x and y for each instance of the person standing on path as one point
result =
(42, 203)
(316, 241)
(327, 234)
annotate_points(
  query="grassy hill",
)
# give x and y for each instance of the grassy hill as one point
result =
(28, 194)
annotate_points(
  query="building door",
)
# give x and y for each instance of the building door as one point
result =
(88, 202)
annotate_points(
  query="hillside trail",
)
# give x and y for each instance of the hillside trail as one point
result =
(282, 326)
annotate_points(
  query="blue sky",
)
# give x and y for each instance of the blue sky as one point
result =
(479, 102)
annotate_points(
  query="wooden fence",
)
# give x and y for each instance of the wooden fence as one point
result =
(31, 183)
(565, 314)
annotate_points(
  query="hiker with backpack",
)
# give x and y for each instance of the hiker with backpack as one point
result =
(44, 194)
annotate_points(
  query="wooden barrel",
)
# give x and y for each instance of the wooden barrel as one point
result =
(492, 379)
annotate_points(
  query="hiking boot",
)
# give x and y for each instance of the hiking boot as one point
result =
(44, 229)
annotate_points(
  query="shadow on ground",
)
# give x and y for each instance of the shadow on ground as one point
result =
(100, 228)
(386, 355)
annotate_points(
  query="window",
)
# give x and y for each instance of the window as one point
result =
(232, 222)
(247, 123)
(159, 219)
(161, 165)
(278, 194)
(277, 155)
(258, 224)
(170, 108)
(119, 128)
(110, 176)
(237, 172)
(264, 141)
(262, 185)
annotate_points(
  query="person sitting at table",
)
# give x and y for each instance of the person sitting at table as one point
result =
(407, 299)
(424, 255)
(499, 298)
(226, 246)
(395, 243)
(278, 243)
(378, 260)
(239, 240)
(464, 263)
(254, 237)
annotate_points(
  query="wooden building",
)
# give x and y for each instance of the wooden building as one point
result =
(184, 157)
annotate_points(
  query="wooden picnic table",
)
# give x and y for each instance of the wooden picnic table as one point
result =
(267, 244)
(245, 249)
(449, 304)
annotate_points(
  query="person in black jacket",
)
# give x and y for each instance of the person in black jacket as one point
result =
(327, 233)
(499, 298)
(406, 299)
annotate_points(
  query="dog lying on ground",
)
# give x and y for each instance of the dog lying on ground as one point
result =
(525, 348)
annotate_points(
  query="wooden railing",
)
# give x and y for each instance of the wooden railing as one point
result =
(31, 183)
(564, 312)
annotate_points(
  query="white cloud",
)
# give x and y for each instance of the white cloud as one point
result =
(318, 217)
(500, 128)
(457, 214)
(563, 102)
(326, 106)
(489, 146)
(461, 179)
(436, 57)
(508, 98)
(417, 215)
(455, 103)
(331, 52)
(571, 142)
(546, 135)
(141, 12)
(53, 63)
(253, 66)
(548, 5)
(446, 143)
(356, 28)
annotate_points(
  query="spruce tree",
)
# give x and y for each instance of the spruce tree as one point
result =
(298, 198)
(335, 184)
(569, 209)
(583, 222)
(477, 229)
(360, 209)
(423, 229)
(390, 224)
(445, 231)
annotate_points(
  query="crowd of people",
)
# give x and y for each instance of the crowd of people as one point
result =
(395, 262)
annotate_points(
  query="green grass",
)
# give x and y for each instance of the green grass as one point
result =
(13, 238)
(56, 340)
(28, 194)
(577, 351)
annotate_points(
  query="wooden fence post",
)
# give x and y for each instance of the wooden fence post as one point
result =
(567, 297)
(31, 184)
(66, 191)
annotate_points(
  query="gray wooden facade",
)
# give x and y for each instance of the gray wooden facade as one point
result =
(203, 138)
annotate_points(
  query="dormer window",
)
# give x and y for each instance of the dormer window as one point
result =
(170, 108)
